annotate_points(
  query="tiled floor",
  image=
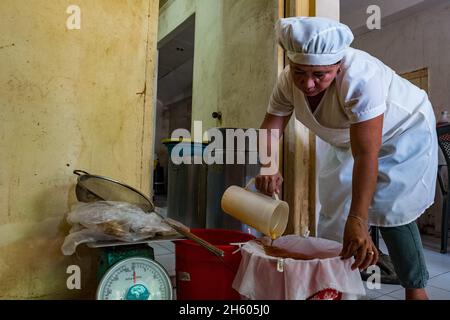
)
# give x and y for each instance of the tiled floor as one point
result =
(165, 254)
(438, 267)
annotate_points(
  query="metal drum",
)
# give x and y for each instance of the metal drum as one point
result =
(186, 195)
(221, 176)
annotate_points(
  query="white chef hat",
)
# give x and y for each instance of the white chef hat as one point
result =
(313, 40)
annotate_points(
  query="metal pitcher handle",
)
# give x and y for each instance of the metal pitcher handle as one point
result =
(252, 180)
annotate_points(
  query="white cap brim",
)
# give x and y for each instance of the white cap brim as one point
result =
(315, 59)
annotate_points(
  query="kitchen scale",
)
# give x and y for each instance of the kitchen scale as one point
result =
(127, 270)
(153, 283)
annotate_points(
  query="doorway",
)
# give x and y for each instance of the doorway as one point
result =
(174, 98)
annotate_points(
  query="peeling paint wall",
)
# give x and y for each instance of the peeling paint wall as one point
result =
(69, 99)
(235, 57)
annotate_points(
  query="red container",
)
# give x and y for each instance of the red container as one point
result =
(201, 275)
(326, 294)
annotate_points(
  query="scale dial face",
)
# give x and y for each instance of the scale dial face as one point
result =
(135, 279)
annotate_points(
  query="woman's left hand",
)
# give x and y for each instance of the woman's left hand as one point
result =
(358, 243)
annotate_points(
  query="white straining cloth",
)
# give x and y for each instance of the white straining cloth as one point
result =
(258, 278)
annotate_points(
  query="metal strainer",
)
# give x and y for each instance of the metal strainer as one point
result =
(92, 188)
(97, 188)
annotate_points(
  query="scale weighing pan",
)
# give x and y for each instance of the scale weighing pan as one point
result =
(92, 188)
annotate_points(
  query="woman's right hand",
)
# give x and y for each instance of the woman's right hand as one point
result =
(269, 184)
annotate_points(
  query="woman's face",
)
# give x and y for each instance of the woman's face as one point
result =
(312, 80)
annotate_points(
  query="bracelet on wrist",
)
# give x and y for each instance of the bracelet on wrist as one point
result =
(364, 221)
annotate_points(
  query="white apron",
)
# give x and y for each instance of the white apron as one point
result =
(407, 162)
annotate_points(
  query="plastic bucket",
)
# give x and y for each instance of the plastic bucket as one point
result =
(201, 275)
(191, 148)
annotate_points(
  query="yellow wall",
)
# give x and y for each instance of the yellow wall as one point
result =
(67, 101)
(235, 57)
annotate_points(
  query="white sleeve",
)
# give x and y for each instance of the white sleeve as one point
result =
(364, 96)
(281, 100)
